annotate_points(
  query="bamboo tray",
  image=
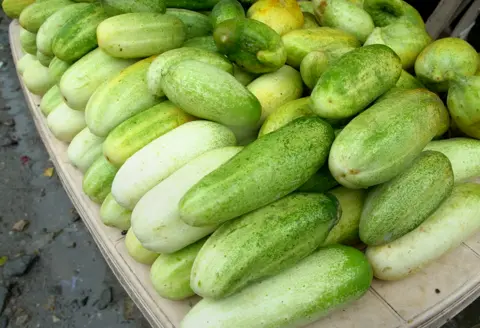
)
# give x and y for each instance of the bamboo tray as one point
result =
(427, 299)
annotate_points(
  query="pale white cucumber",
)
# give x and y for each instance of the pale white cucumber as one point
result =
(85, 149)
(65, 123)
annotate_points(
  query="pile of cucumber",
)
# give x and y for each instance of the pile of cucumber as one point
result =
(248, 146)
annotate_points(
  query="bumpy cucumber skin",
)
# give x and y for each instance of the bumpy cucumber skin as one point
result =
(321, 181)
(137, 251)
(400, 205)
(84, 149)
(202, 42)
(464, 104)
(50, 100)
(118, 7)
(97, 181)
(442, 60)
(57, 68)
(282, 16)
(251, 44)
(457, 218)
(267, 169)
(202, 90)
(299, 43)
(354, 81)
(192, 4)
(197, 24)
(262, 243)
(225, 10)
(139, 35)
(113, 215)
(33, 16)
(382, 141)
(28, 41)
(313, 288)
(170, 273)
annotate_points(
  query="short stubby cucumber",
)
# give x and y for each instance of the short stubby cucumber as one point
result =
(225, 10)
(118, 7)
(383, 141)
(97, 181)
(456, 220)
(268, 169)
(282, 16)
(354, 81)
(263, 243)
(137, 251)
(155, 219)
(170, 273)
(138, 35)
(36, 78)
(321, 283)
(81, 80)
(23, 63)
(33, 16)
(321, 181)
(51, 100)
(464, 104)
(400, 205)
(113, 215)
(163, 62)
(121, 97)
(163, 156)
(84, 149)
(251, 44)
(28, 41)
(65, 123)
(197, 24)
(208, 92)
(464, 155)
(57, 68)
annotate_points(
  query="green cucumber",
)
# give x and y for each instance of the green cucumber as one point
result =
(137, 251)
(243, 76)
(36, 78)
(138, 35)
(28, 41)
(225, 10)
(267, 169)
(383, 141)
(321, 283)
(299, 43)
(306, 6)
(51, 100)
(97, 181)
(33, 16)
(45, 60)
(118, 7)
(113, 215)
(309, 21)
(464, 155)
(57, 68)
(282, 16)
(455, 221)
(387, 12)
(421, 188)
(175, 56)
(196, 24)
(321, 181)
(54, 23)
(95, 68)
(23, 63)
(346, 230)
(251, 44)
(120, 98)
(263, 243)
(354, 81)
(170, 273)
(202, 42)
(78, 35)
(13, 8)
(139, 130)
(65, 123)
(464, 104)
(192, 4)
(84, 149)
(405, 82)
(208, 92)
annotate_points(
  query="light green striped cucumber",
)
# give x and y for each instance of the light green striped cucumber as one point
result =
(51, 100)
(37, 13)
(155, 219)
(316, 286)
(421, 188)
(137, 35)
(118, 7)
(225, 10)
(321, 181)
(54, 23)
(263, 243)
(139, 130)
(163, 156)
(405, 82)
(267, 169)
(23, 63)
(202, 42)
(170, 273)
(196, 24)
(137, 251)
(243, 76)
(344, 15)
(163, 62)
(97, 182)
(57, 68)
(78, 35)
(456, 220)
(192, 4)
(44, 59)
(65, 123)
(383, 141)
(354, 81)
(464, 155)
(346, 230)
(206, 91)
(113, 215)
(28, 41)
(120, 98)
(84, 149)
(276, 89)
(37, 79)
(463, 103)
(81, 80)
(286, 114)
(299, 43)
